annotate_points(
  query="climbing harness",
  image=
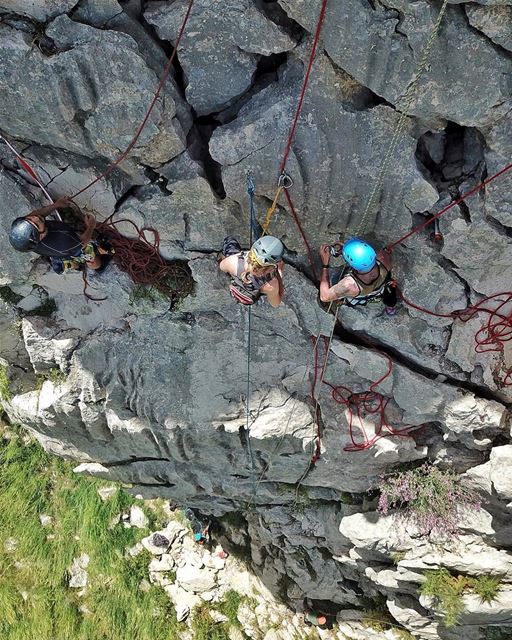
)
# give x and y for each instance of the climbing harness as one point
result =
(31, 172)
(404, 104)
(161, 83)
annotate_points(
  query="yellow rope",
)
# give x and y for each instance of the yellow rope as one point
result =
(404, 104)
(271, 210)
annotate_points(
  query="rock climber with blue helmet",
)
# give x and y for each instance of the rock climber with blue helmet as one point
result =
(255, 272)
(369, 276)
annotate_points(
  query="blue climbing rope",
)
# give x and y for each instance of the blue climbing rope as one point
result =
(253, 231)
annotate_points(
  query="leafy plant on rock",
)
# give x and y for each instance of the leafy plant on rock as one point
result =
(428, 497)
(5, 389)
(447, 590)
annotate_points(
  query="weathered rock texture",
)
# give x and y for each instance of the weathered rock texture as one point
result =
(155, 395)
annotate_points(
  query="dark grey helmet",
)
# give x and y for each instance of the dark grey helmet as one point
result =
(23, 234)
(268, 250)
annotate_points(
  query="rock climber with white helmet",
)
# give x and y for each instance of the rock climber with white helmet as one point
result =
(369, 276)
(255, 272)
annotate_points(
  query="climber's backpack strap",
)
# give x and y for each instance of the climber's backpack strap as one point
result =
(244, 293)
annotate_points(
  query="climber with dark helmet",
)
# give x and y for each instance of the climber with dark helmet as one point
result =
(59, 241)
(255, 272)
(369, 277)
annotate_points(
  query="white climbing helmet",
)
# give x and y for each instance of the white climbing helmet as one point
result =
(267, 251)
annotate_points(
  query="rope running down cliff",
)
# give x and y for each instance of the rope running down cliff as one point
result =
(404, 104)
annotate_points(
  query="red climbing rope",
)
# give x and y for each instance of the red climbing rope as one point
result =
(493, 335)
(291, 134)
(316, 455)
(391, 246)
(163, 79)
(498, 328)
(139, 257)
(358, 406)
(301, 231)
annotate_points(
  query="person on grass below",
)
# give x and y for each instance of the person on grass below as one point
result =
(369, 277)
(60, 242)
(255, 272)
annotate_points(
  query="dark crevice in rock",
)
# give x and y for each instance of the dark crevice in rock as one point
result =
(267, 72)
(360, 339)
(449, 157)
(199, 134)
(129, 193)
(465, 212)
(450, 266)
(276, 14)
(134, 8)
(157, 179)
(499, 226)
(203, 126)
(134, 460)
(362, 99)
(198, 146)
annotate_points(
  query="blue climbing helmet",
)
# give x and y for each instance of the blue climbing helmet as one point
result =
(359, 255)
(267, 251)
(23, 234)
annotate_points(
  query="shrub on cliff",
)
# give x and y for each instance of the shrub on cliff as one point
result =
(431, 499)
(447, 591)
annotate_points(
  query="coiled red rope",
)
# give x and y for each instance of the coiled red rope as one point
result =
(139, 257)
(358, 406)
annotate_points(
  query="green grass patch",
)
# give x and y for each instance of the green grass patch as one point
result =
(447, 590)
(35, 599)
(144, 293)
(5, 388)
(230, 605)
(205, 628)
(55, 375)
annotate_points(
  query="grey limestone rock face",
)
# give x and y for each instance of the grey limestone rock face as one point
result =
(14, 266)
(335, 157)
(221, 49)
(84, 96)
(495, 21)
(38, 9)
(381, 45)
(154, 394)
(190, 215)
